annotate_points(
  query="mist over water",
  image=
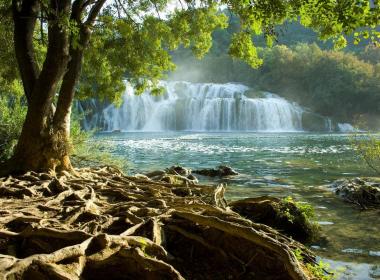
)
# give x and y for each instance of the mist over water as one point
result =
(203, 107)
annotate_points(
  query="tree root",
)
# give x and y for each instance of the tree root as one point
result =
(100, 224)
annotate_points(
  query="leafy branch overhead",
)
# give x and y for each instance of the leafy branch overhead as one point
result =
(135, 38)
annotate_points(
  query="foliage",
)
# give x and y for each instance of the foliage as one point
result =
(368, 148)
(306, 209)
(332, 83)
(329, 82)
(139, 51)
(91, 153)
(135, 38)
(86, 152)
(300, 213)
(12, 115)
(319, 270)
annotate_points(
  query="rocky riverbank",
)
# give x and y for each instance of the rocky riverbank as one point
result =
(99, 223)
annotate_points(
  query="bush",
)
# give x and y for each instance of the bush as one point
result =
(12, 115)
(87, 152)
(368, 147)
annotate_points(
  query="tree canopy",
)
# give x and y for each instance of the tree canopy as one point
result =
(134, 38)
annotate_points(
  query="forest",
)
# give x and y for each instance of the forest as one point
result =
(343, 84)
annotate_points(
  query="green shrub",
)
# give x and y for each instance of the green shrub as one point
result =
(368, 148)
(320, 270)
(12, 115)
(87, 152)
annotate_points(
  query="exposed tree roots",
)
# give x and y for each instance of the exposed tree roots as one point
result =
(100, 224)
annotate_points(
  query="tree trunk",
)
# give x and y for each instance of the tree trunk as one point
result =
(41, 150)
(44, 143)
(24, 19)
(41, 147)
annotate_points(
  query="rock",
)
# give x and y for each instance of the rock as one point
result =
(176, 179)
(221, 171)
(314, 122)
(178, 170)
(281, 214)
(192, 177)
(176, 175)
(362, 192)
(253, 93)
(156, 175)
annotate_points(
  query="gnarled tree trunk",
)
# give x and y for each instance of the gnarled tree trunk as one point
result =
(44, 143)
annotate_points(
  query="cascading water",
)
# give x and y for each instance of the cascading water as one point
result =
(203, 107)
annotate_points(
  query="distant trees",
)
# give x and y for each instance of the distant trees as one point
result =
(330, 82)
(333, 83)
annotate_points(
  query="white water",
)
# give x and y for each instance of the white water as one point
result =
(202, 107)
(346, 127)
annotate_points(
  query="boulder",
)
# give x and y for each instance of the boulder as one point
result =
(178, 170)
(220, 171)
(282, 214)
(175, 175)
(360, 191)
(177, 180)
(254, 93)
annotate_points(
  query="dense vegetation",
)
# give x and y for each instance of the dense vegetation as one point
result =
(342, 84)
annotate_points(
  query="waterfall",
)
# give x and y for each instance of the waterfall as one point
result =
(203, 107)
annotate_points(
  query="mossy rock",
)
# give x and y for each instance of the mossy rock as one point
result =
(314, 122)
(175, 175)
(282, 214)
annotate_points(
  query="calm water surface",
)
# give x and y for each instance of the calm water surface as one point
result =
(279, 164)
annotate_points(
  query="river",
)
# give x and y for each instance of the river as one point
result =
(300, 165)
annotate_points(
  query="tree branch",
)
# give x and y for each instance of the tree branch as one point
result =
(54, 66)
(118, 3)
(70, 79)
(156, 8)
(24, 17)
(94, 12)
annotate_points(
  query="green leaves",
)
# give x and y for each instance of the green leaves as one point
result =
(12, 115)
(140, 51)
(340, 42)
(242, 47)
(134, 39)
